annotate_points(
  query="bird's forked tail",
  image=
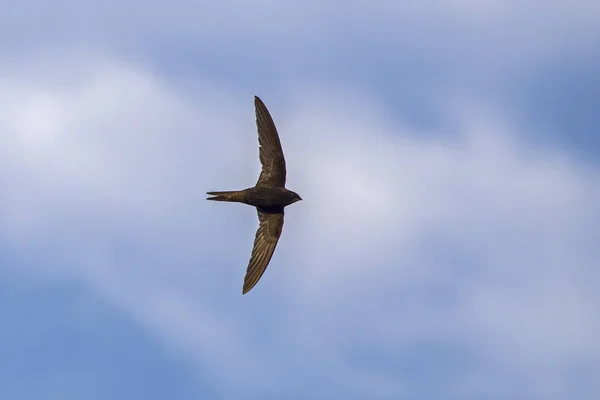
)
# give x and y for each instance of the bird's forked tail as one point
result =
(233, 195)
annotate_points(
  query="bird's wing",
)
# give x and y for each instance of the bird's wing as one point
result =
(270, 152)
(265, 242)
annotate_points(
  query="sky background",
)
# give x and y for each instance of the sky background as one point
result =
(447, 154)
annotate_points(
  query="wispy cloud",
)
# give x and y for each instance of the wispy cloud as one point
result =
(446, 247)
(409, 244)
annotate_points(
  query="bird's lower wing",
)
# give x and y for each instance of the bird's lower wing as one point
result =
(267, 236)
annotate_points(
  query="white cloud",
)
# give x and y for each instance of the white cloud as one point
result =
(502, 30)
(477, 239)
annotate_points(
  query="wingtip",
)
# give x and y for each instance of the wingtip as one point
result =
(247, 287)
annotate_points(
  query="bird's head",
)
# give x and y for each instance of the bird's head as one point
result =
(295, 197)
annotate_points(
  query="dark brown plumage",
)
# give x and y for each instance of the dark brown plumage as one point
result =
(269, 196)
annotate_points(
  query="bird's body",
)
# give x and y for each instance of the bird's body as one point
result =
(269, 196)
(266, 199)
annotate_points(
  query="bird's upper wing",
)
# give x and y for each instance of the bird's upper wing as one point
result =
(270, 152)
(265, 242)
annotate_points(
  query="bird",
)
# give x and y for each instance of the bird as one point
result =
(269, 196)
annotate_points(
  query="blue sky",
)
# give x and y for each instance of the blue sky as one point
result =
(446, 247)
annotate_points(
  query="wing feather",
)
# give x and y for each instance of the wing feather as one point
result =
(270, 152)
(267, 236)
